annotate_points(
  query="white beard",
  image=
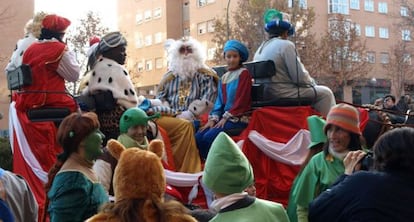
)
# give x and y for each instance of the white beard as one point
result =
(185, 67)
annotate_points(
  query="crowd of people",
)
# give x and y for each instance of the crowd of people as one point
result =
(107, 163)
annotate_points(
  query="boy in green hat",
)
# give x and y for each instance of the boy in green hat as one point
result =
(318, 138)
(133, 126)
(228, 173)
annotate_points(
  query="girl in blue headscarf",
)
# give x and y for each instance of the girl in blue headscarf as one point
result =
(233, 100)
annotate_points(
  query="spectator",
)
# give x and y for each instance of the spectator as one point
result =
(403, 103)
(385, 194)
(395, 113)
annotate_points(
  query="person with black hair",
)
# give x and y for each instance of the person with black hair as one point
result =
(289, 69)
(395, 114)
(107, 74)
(384, 194)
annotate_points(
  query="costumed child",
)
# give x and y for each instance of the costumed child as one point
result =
(323, 169)
(139, 185)
(73, 190)
(133, 126)
(318, 138)
(233, 100)
(227, 173)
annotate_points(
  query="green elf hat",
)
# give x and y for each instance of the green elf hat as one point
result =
(227, 170)
(272, 14)
(316, 125)
(134, 116)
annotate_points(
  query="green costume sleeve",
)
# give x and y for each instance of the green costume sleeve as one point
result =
(307, 182)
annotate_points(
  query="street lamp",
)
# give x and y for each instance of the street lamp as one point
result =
(227, 20)
(373, 82)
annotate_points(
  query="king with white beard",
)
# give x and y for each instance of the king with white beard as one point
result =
(187, 79)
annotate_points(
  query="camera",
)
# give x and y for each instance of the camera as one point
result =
(367, 163)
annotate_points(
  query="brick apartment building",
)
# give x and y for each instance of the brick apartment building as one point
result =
(148, 23)
(13, 18)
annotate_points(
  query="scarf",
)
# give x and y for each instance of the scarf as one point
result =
(226, 201)
(128, 142)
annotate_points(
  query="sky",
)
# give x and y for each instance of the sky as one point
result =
(77, 9)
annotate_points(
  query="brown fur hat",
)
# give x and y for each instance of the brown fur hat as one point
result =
(139, 173)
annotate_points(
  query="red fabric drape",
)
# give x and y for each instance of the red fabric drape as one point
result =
(41, 138)
(279, 124)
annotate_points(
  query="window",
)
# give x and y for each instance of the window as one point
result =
(211, 52)
(201, 3)
(147, 15)
(140, 66)
(354, 4)
(385, 57)
(139, 40)
(357, 28)
(148, 40)
(382, 7)
(338, 28)
(339, 6)
(369, 5)
(302, 3)
(202, 28)
(186, 32)
(148, 65)
(406, 35)
(158, 63)
(210, 26)
(383, 33)
(407, 58)
(371, 57)
(138, 18)
(157, 13)
(158, 37)
(369, 31)
(355, 57)
(404, 11)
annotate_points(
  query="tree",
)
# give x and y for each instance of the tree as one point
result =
(78, 39)
(342, 55)
(79, 36)
(400, 68)
(246, 25)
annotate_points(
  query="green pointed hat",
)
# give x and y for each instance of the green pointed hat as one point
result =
(134, 116)
(272, 14)
(315, 126)
(227, 169)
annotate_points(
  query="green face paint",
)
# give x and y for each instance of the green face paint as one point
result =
(93, 145)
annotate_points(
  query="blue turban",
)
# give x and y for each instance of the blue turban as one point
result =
(234, 45)
(278, 26)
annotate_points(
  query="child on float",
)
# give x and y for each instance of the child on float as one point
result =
(233, 100)
(133, 127)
